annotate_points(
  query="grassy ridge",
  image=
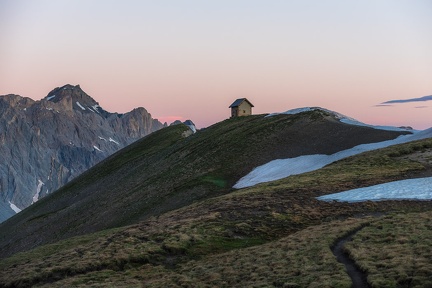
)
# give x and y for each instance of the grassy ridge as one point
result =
(162, 248)
(166, 171)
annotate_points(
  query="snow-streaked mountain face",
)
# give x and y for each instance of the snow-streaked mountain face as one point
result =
(46, 143)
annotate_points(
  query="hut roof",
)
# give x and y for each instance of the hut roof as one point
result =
(239, 101)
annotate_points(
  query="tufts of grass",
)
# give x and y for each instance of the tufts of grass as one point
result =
(410, 148)
(164, 246)
(303, 259)
(396, 250)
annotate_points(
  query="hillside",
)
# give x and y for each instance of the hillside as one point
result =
(198, 245)
(165, 171)
(46, 143)
(174, 191)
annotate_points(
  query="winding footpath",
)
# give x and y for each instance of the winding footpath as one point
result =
(358, 277)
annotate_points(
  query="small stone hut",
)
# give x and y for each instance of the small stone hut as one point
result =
(241, 107)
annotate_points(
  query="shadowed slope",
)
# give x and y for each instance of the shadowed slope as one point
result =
(165, 171)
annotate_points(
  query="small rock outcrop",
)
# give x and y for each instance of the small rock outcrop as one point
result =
(44, 144)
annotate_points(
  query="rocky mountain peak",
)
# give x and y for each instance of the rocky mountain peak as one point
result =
(16, 101)
(71, 97)
(188, 123)
(46, 143)
(138, 111)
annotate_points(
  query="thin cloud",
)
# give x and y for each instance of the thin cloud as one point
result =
(421, 99)
(421, 107)
(383, 105)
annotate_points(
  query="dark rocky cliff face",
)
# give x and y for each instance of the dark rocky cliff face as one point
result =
(44, 144)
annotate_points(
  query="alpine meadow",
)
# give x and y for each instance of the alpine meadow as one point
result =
(162, 212)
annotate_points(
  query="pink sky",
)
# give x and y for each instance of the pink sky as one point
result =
(191, 59)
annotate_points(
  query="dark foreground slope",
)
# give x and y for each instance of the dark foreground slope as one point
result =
(166, 171)
(291, 233)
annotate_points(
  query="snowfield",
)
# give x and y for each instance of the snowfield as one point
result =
(282, 168)
(411, 189)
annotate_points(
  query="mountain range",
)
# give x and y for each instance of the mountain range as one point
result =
(163, 211)
(46, 143)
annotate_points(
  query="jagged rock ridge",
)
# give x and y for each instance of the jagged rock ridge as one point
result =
(46, 143)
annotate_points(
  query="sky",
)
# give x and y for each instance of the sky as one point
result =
(190, 59)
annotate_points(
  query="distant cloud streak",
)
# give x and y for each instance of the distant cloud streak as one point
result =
(421, 107)
(383, 105)
(421, 99)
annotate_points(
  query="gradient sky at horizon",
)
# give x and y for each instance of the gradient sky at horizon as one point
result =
(190, 59)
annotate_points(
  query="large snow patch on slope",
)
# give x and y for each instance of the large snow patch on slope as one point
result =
(281, 168)
(411, 189)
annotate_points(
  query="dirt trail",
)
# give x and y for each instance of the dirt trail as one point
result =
(358, 277)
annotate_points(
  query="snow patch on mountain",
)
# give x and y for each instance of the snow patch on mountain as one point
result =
(191, 125)
(282, 168)
(14, 207)
(38, 190)
(342, 118)
(410, 189)
(112, 140)
(79, 104)
(95, 108)
(95, 147)
(50, 97)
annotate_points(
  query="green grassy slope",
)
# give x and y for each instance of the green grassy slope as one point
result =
(191, 246)
(166, 171)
